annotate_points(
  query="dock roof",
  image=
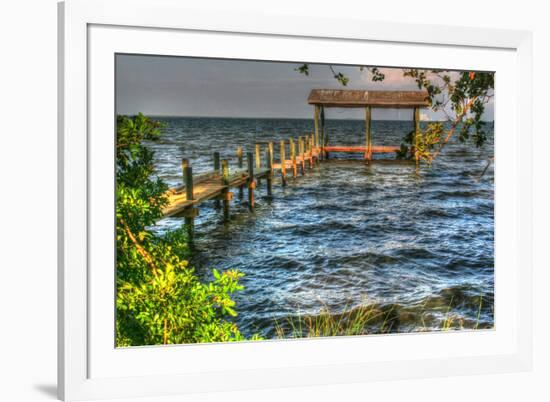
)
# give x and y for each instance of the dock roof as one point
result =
(361, 98)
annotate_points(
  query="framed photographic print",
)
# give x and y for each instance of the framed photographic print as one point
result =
(263, 201)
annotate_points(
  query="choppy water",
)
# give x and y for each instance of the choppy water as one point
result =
(346, 233)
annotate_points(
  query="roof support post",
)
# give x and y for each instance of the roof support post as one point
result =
(316, 123)
(416, 119)
(324, 141)
(368, 136)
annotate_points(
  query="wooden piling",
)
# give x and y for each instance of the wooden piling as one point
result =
(184, 165)
(225, 192)
(217, 171)
(312, 145)
(308, 151)
(416, 119)
(283, 162)
(269, 163)
(318, 151)
(271, 154)
(240, 166)
(293, 157)
(313, 157)
(316, 123)
(258, 159)
(251, 182)
(301, 153)
(188, 176)
(324, 139)
(368, 136)
(188, 182)
(308, 146)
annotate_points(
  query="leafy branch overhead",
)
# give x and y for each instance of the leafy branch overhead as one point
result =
(303, 69)
(377, 75)
(461, 99)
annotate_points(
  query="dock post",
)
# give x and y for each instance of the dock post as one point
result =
(188, 182)
(225, 192)
(293, 157)
(283, 162)
(258, 160)
(184, 165)
(308, 151)
(308, 147)
(324, 138)
(318, 154)
(269, 163)
(271, 155)
(240, 166)
(217, 172)
(301, 153)
(416, 118)
(251, 182)
(316, 123)
(368, 137)
(313, 157)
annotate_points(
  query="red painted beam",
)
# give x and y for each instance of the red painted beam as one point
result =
(376, 149)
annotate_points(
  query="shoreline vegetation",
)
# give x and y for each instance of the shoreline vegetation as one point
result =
(161, 300)
(376, 319)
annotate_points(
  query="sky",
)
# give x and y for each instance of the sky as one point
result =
(183, 86)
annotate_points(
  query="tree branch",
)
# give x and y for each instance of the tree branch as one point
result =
(141, 251)
(453, 127)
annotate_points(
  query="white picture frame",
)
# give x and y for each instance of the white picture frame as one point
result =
(91, 32)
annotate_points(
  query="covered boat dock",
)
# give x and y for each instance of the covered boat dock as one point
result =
(367, 99)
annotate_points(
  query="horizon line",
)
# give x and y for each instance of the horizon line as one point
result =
(274, 117)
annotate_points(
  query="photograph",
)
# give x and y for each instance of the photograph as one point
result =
(272, 200)
(275, 201)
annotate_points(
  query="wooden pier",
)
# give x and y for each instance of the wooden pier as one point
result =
(184, 200)
(303, 154)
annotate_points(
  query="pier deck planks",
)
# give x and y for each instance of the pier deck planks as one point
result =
(207, 186)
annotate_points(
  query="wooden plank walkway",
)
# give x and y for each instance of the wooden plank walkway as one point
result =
(205, 189)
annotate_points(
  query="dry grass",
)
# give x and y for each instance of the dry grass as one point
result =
(371, 319)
